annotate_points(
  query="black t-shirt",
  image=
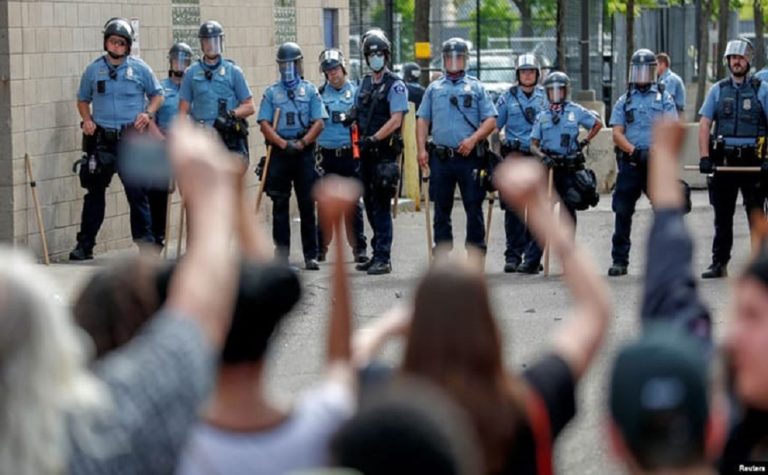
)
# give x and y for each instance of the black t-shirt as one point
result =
(747, 442)
(551, 378)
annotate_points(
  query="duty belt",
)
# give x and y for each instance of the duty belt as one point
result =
(568, 162)
(448, 153)
(737, 156)
(112, 135)
(337, 152)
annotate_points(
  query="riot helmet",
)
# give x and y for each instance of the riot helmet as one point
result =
(455, 55)
(290, 63)
(738, 47)
(527, 62)
(411, 72)
(376, 49)
(332, 58)
(122, 28)
(211, 36)
(557, 84)
(179, 59)
(642, 69)
(546, 67)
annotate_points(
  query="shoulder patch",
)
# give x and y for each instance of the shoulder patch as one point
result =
(399, 88)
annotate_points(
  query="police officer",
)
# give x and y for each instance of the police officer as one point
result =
(738, 107)
(179, 59)
(555, 140)
(518, 108)
(462, 116)
(293, 162)
(673, 84)
(632, 120)
(214, 91)
(411, 75)
(334, 145)
(112, 100)
(380, 103)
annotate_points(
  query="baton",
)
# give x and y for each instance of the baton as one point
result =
(38, 211)
(399, 186)
(263, 177)
(425, 191)
(546, 240)
(726, 169)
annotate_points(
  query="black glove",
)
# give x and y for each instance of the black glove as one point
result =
(368, 143)
(547, 161)
(350, 117)
(706, 166)
(583, 143)
(293, 147)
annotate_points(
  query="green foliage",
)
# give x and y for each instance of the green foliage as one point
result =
(406, 9)
(497, 18)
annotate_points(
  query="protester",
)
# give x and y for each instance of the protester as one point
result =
(453, 340)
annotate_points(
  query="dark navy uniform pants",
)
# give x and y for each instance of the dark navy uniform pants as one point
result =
(298, 171)
(631, 182)
(723, 191)
(343, 165)
(445, 174)
(378, 205)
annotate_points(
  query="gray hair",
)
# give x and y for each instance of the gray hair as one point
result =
(43, 373)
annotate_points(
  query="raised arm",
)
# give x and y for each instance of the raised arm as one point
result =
(521, 184)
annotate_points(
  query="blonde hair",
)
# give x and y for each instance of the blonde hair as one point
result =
(43, 374)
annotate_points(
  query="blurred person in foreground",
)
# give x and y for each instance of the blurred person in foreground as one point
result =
(452, 340)
(665, 417)
(132, 413)
(242, 431)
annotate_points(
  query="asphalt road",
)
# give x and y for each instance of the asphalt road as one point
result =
(528, 308)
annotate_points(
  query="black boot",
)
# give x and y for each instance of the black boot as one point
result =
(81, 253)
(715, 271)
(528, 267)
(364, 266)
(311, 264)
(511, 267)
(360, 256)
(380, 267)
(617, 269)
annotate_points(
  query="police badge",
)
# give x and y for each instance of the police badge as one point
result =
(747, 105)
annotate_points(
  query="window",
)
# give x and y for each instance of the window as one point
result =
(331, 27)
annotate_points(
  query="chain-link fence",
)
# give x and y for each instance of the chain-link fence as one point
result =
(499, 31)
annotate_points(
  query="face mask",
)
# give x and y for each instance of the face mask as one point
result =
(376, 62)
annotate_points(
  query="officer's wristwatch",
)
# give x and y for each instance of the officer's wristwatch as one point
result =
(150, 114)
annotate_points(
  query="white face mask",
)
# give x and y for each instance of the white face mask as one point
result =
(376, 62)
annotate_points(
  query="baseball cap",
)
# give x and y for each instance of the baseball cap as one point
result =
(659, 397)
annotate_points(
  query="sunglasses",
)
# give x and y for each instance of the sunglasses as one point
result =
(377, 53)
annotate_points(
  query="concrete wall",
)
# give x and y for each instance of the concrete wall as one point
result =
(45, 46)
(602, 159)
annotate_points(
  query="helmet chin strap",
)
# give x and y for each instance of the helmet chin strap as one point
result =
(643, 87)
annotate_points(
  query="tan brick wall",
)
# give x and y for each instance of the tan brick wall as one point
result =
(45, 46)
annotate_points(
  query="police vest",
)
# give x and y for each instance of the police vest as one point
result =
(372, 104)
(739, 112)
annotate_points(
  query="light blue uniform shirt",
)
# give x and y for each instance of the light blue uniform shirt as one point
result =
(646, 107)
(762, 74)
(117, 102)
(709, 108)
(673, 84)
(335, 134)
(550, 135)
(299, 107)
(512, 116)
(449, 127)
(170, 107)
(227, 82)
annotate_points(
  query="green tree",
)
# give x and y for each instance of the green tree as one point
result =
(496, 20)
(403, 30)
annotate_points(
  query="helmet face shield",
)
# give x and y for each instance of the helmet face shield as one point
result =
(180, 60)
(642, 73)
(739, 48)
(330, 59)
(290, 71)
(556, 93)
(213, 46)
(454, 61)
